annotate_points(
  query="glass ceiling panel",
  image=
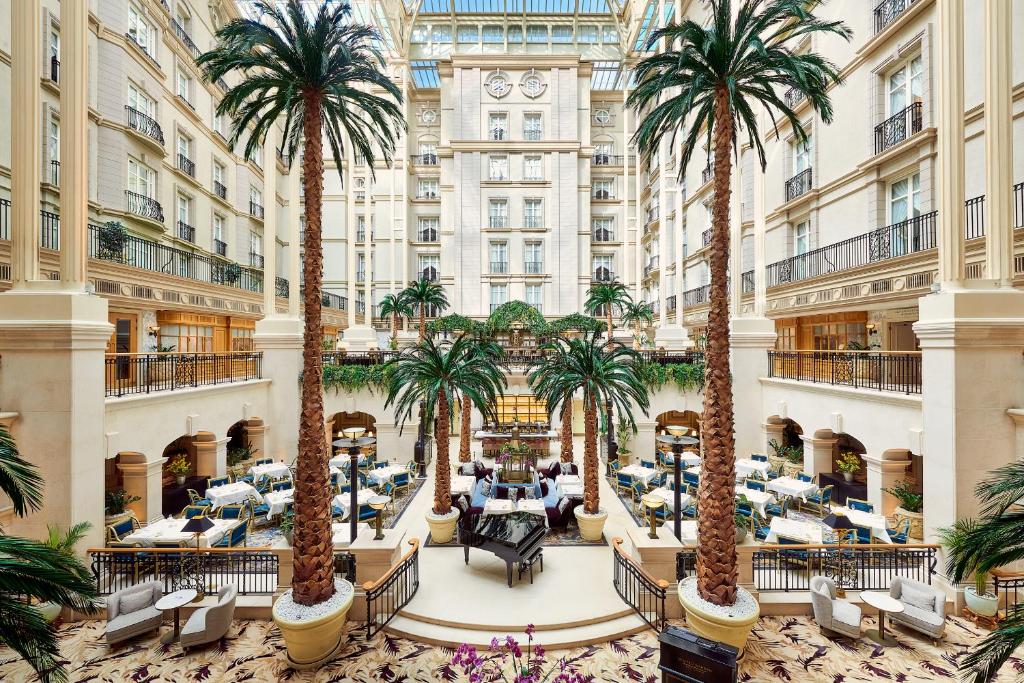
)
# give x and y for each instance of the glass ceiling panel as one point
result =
(425, 75)
(589, 7)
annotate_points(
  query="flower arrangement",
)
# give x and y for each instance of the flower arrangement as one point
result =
(179, 466)
(848, 462)
(507, 451)
(507, 662)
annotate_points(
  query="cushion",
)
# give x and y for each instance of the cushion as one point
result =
(134, 620)
(563, 505)
(846, 612)
(543, 489)
(565, 467)
(133, 602)
(917, 597)
(463, 503)
(927, 617)
(485, 488)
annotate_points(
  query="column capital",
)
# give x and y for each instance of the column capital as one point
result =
(974, 318)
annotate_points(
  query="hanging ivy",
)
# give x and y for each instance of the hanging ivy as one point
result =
(453, 323)
(576, 321)
(507, 314)
(354, 378)
(684, 376)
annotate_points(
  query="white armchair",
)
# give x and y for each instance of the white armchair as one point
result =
(832, 614)
(924, 607)
(210, 623)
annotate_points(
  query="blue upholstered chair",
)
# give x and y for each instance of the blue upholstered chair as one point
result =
(803, 476)
(743, 507)
(638, 493)
(659, 480)
(797, 556)
(400, 481)
(217, 481)
(234, 538)
(335, 480)
(262, 485)
(861, 505)
(380, 465)
(757, 457)
(282, 485)
(230, 512)
(754, 485)
(777, 509)
(821, 500)
(260, 511)
(901, 532)
(759, 526)
(366, 512)
(624, 483)
(690, 511)
(647, 464)
(690, 478)
(195, 499)
(862, 534)
(191, 511)
(264, 461)
(116, 532)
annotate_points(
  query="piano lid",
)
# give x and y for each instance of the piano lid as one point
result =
(511, 529)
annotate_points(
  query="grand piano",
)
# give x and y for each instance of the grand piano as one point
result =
(515, 537)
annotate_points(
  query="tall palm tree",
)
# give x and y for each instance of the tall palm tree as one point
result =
(493, 350)
(709, 82)
(41, 572)
(565, 433)
(640, 315)
(597, 372)
(423, 293)
(994, 540)
(430, 376)
(395, 306)
(609, 297)
(317, 72)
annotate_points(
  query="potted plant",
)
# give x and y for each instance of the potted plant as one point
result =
(849, 464)
(957, 540)
(160, 369)
(116, 506)
(287, 524)
(625, 434)
(909, 507)
(239, 457)
(794, 464)
(63, 543)
(777, 458)
(180, 468)
(742, 521)
(112, 238)
(508, 661)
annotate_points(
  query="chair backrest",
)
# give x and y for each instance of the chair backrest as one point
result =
(903, 528)
(638, 489)
(691, 478)
(863, 534)
(826, 494)
(217, 481)
(123, 528)
(757, 457)
(788, 540)
(264, 461)
(191, 511)
(389, 488)
(230, 512)
(803, 476)
(411, 466)
(282, 485)
(625, 479)
(380, 465)
(400, 479)
(615, 466)
(153, 589)
(859, 504)
(647, 463)
(193, 495)
(744, 508)
(754, 485)
(823, 592)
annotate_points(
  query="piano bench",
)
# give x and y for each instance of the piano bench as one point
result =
(526, 564)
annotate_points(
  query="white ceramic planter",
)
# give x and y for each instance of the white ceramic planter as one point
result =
(442, 527)
(986, 605)
(725, 625)
(313, 642)
(591, 526)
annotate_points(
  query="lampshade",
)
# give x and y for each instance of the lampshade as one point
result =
(676, 430)
(378, 502)
(651, 501)
(197, 525)
(834, 521)
(353, 432)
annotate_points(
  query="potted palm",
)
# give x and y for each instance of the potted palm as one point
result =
(910, 507)
(63, 543)
(638, 314)
(708, 83)
(598, 373)
(607, 297)
(954, 539)
(318, 71)
(423, 294)
(429, 377)
(849, 464)
(395, 306)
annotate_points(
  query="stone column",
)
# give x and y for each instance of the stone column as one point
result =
(950, 143)
(255, 431)
(818, 450)
(74, 143)
(750, 340)
(143, 478)
(26, 141)
(350, 241)
(270, 223)
(998, 143)
(760, 285)
(206, 454)
(624, 228)
(883, 472)
(772, 430)
(280, 340)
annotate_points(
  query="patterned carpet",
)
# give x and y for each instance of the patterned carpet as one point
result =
(781, 649)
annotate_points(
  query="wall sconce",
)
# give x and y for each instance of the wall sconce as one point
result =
(153, 330)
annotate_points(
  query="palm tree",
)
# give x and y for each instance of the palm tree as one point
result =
(640, 315)
(395, 306)
(597, 372)
(317, 72)
(606, 296)
(423, 293)
(994, 540)
(565, 433)
(434, 375)
(40, 572)
(710, 82)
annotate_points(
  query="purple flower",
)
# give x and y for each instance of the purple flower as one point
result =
(530, 629)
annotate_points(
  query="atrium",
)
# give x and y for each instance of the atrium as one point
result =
(568, 340)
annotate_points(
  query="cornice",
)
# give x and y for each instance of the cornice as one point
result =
(870, 395)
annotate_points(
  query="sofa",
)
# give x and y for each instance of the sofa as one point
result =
(832, 614)
(132, 611)
(208, 624)
(924, 607)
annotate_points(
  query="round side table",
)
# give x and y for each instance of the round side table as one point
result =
(175, 601)
(883, 602)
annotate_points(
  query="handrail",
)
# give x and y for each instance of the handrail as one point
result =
(846, 351)
(845, 546)
(1004, 574)
(185, 549)
(616, 546)
(166, 354)
(370, 585)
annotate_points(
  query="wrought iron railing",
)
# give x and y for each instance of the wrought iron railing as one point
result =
(141, 205)
(497, 221)
(425, 159)
(499, 267)
(706, 174)
(428, 195)
(332, 300)
(705, 237)
(974, 218)
(670, 303)
(497, 134)
(386, 596)
(144, 373)
(186, 165)
(889, 11)
(54, 172)
(603, 194)
(256, 260)
(696, 296)
(281, 287)
(255, 209)
(186, 39)
(54, 69)
(799, 184)
(345, 566)
(906, 237)
(49, 230)
(220, 248)
(637, 588)
(144, 124)
(5, 219)
(186, 232)
(673, 357)
(747, 282)
(601, 159)
(1009, 588)
(533, 267)
(253, 571)
(898, 127)
(898, 371)
(793, 97)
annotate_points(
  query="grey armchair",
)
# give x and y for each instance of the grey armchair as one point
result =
(833, 615)
(132, 611)
(210, 623)
(924, 607)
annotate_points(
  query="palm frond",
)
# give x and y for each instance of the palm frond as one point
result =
(19, 478)
(1003, 488)
(985, 660)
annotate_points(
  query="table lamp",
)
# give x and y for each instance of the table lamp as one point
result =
(842, 525)
(677, 439)
(652, 503)
(197, 526)
(378, 503)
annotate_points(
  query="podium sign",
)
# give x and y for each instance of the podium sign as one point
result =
(688, 658)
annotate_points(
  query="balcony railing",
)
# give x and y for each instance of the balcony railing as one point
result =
(603, 194)
(429, 274)
(358, 358)
(497, 134)
(906, 237)
(898, 127)
(255, 210)
(602, 159)
(974, 210)
(533, 267)
(427, 235)
(533, 222)
(49, 230)
(186, 165)
(256, 260)
(497, 221)
(220, 189)
(673, 357)
(54, 172)
(281, 287)
(638, 589)
(497, 176)
(360, 277)
(651, 266)
(705, 237)
(706, 174)
(186, 232)
(146, 125)
(252, 571)
(670, 304)
(604, 235)
(880, 370)
(499, 267)
(54, 69)
(696, 296)
(793, 97)
(220, 248)
(186, 40)
(532, 134)
(147, 207)
(428, 194)
(425, 159)
(889, 11)
(747, 282)
(335, 301)
(144, 373)
(604, 275)
(799, 184)
(5, 219)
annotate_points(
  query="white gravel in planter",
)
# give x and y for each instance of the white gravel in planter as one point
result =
(580, 512)
(745, 604)
(452, 514)
(288, 609)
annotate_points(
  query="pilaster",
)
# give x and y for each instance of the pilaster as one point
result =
(883, 472)
(750, 340)
(950, 141)
(255, 434)
(818, 449)
(74, 143)
(206, 454)
(143, 478)
(280, 340)
(26, 137)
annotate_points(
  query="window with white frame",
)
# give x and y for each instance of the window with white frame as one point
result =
(141, 178)
(141, 32)
(184, 146)
(255, 199)
(140, 101)
(905, 84)
(499, 296)
(183, 87)
(429, 266)
(468, 34)
(603, 228)
(802, 238)
(220, 124)
(441, 34)
(533, 257)
(497, 213)
(360, 267)
(603, 153)
(904, 205)
(218, 230)
(427, 228)
(497, 125)
(492, 34)
(561, 34)
(53, 139)
(802, 155)
(603, 188)
(499, 257)
(533, 126)
(428, 153)
(427, 188)
(497, 167)
(609, 34)
(603, 266)
(532, 167)
(535, 297)
(185, 215)
(536, 34)
(586, 34)
(515, 35)
(218, 174)
(255, 243)
(533, 213)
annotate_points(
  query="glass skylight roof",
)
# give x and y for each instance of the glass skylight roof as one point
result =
(569, 7)
(425, 75)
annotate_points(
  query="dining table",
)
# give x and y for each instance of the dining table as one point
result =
(463, 484)
(270, 470)
(643, 474)
(760, 500)
(380, 475)
(805, 532)
(868, 520)
(570, 485)
(232, 494)
(793, 487)
(344, 459)
(341, 533)
(688, 531)
(746, 467)
(669, 496)
(169, 531)
(686, 459)
(278, 501)
(362, 498)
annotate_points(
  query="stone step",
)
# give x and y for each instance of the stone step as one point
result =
(516, 623)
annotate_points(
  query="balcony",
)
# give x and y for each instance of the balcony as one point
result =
(146, 207)
(220, 190)
(55, 172)
(335, 301)
(185, 39)
(533, 222)
(134, 40)
(879, 370)
(256, 260)
(220, 248)
(747, 282)
(497, 134)
(428, 194)
(143, 373)
(429, 159)
(360, 277)
(533, 267)
(603, 194)
(906, 237)
(604, 235)
(143, 124)
(670, 304)
(427, 235)
(696, 296)
(500, 222)
(54, 69)
(889, 11)
(499, 268)
(186, 232)
(603, 274)
(706, 174)
(705, 237)
(602, 159)
(281, 287)
(793, 97)
(898, 127)
(651, 267)
(532, 134)
(430, 274)
(799, 184)
(255, 210)
(186, 165)
(49, 230)
(974, 224)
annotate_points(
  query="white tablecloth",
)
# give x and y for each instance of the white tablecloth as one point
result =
(688, 459)
(791, 486)
(169, 530)
(688, 531)
(758, 499)
(569, 485)
(278, 501)
(496, 506)
(272, 470)
(344, 459)
(382, 474)
(670, 497)
(868, 520)
(644, 474)
(463, 485)
(805, 532)
(746, 467)
(362, 498)
(340, 533)
(230, 494)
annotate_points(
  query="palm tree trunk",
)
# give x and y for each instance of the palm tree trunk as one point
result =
(423, 322)
(608, 321)
(591, 499)
(442, 474)
(467, 416)
(313, 562)
(394, 327)
(716, 553)
(566, 435)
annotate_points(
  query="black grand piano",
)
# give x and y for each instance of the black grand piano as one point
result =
(515, 537)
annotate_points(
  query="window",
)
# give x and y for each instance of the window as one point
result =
(429, 266)
(184, 146)
(532, 167)
(515, 34)
(497, 213)
(802, 155)
(54, 44)
(419, 35)
(499, 257)
(497, 167)
(428, 153)
(603, 188)
(497, 125)
(427, 188)
(183, 87)
(140, 101)
(499, 296)
(468, 34)
(493, 34)
(255, 195)
(241, 339)
(535, 296)
(904, 204)
(257, 154)
(536, 34)
(255, 243)
(533, 257)
(609, 34)
(426, 228)
(360, 267)
(602, 267)
(218, 173)
(219, 124)
(185, 229)
(905, 85)
(586, 35)
(53, 139)
(218, 229)
(603, 154)
(141, 32)
(441, 34)
(603, 229)
(801, 245)
(561, 34)
(141, 178)
(187, 338)
(533, 213)
(532, 129)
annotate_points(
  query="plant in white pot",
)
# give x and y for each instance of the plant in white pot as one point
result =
(957, 540)
(910, 506)
(849, 464)
(430, 377)
(180, 467)
(600, 372)
(318, 73)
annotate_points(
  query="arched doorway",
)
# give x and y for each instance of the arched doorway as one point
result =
(341, 421)
(845, 443)
(683, 418)
(175, 495)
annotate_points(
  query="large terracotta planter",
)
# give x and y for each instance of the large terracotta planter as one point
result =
(591, 526)
(313, 642)
(442, 527)
(726, 625)
(916, 521)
